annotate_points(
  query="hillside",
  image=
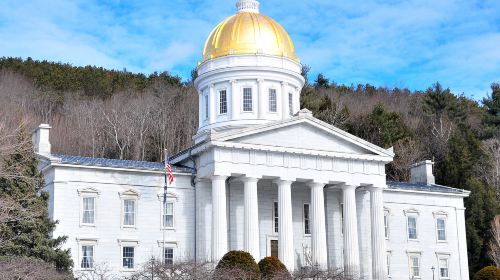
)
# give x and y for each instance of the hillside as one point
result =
(118, 114)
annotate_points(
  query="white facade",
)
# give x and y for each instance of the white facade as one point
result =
(262, 176)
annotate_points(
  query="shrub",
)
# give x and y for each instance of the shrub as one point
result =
(25, 268)
(488, 273)
(271, 267)
(238, 264)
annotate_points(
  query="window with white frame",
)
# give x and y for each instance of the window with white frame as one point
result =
(443, 268)
(441, 229)
(168, 215)
(206, 106)
(275, 217)
(87, 257)
(129, 212)
(412, 227)
(168, 256)
(128, 257)
(386, 224)
(414, 265)
(88, 210)
(290, 104)
(272, 100)
(223, 102)
(388, 256)
(247, 100)
(307, 223)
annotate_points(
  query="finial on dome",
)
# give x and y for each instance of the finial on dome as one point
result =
(250, 6)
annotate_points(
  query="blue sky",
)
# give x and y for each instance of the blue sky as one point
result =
(393, 43)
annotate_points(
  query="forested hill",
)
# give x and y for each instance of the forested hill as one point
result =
(118, 114)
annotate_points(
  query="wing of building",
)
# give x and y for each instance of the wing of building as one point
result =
(262, 176)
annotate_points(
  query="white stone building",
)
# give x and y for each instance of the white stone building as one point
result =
(262, 176)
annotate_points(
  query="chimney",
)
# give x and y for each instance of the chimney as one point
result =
(421, 172)
(41, 141)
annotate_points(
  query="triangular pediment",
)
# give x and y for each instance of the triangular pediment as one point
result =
(305, 133)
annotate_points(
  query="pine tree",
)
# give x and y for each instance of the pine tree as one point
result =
(28, 232)
(491, 120)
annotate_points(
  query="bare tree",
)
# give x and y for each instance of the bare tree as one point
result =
(23, 268)
(491, 172)
(100, 271)
(494, 245)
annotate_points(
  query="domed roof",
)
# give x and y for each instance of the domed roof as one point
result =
(248, 32)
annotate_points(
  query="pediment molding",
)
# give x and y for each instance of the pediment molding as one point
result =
(129, 193)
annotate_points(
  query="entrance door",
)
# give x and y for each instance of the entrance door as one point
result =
(274, 248)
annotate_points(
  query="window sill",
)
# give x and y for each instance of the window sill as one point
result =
(129, 227)
(413, 240)
(88, 225)
(127, 270)
(168, 228)
(307, 235)
(442, 241)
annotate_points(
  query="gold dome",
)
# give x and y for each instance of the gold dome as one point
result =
(248, 32)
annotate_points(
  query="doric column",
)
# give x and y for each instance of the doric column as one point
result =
(200, 109)
(318, 231)
(351, 246)
(219, 218)
(379, 260)
(285, 224)
(235, 105)
(262, 98)
(284, 100)
(251, 226)
(203, 220)
(212, 97)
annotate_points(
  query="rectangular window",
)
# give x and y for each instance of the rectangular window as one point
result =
(128, 257)
(206, 107)
(443, 268)
(441, 229)
(415, 266)
(169, 256)
(129, 212)
(386, 224)
(388, 263)
(412, 227)
(88, 216)
(290, 104)
(222, 102)
(272, 100)
(168, 215)
(307, 226)
(87, 256)
(247, 100)
(275, 217)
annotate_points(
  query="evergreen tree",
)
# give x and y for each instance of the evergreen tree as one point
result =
(29, 236)
(491, 120)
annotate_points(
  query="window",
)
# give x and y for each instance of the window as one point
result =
(272, 100)
(88, 215)
(128, 257)
(388, 263)
(129, 212)
(222, 102)
(275, 217)
(386, 224)
(290, 104)
(247, 100)
(412, 227)
(441, 229)
(87, 256)
(443, 268)
(168, 215)
(415, 266)
(307, 225)
(169, 256)
(206, 107)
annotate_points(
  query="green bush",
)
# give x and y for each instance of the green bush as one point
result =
(237, 263)
(271, 267)
(488, 273)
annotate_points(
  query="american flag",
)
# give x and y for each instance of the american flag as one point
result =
(168, 170)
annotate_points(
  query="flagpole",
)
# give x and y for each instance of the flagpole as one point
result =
(164, 206)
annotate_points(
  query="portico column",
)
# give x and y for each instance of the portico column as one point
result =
(284, 100)
(219, 218)
(235, 105)
(285, 224)
(318, 231)
(251, 226)
(262, 98)
(351, 246)
(212, 101)
(378, 237)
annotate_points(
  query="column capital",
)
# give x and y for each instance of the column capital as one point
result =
(260, 80)
(373, 188)
(346, 187)
(218, 177)
(233, 81)
(282, 181)
(283, 83)
(212, 86)
(249, 179)
(316, 185)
